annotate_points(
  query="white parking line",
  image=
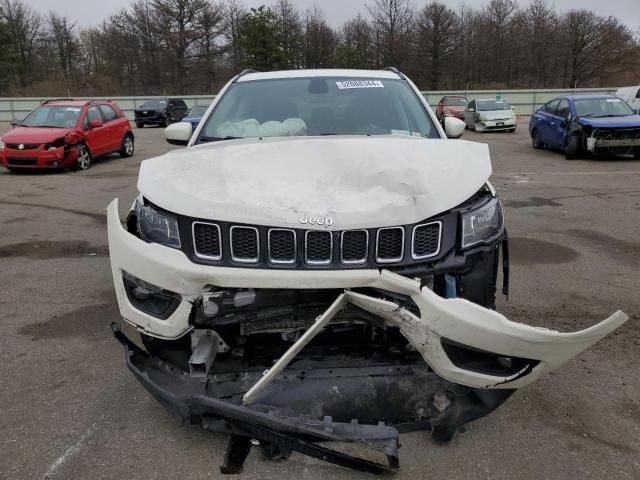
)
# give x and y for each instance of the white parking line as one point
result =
(69, 453)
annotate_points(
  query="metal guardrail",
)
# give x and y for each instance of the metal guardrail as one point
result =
(524, 101)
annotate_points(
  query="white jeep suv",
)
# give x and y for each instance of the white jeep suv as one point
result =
(320, 264)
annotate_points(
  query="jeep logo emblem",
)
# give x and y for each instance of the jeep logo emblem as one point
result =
(326, 221)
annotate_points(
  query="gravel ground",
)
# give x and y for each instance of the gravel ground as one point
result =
(71, 410)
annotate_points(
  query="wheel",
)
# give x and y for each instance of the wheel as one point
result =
(139, 125)
(127, 146)
(636, 155)
(571, 150)
(512, 130)
(83, 162)
(535, 140)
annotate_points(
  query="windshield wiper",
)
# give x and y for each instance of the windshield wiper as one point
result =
(48, 126)
(218, 139)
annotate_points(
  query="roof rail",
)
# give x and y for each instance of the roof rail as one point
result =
(243, 73)
(58, 100)
(396, 71)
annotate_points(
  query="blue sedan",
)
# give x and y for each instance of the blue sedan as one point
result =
(586, 124)
(195, 115)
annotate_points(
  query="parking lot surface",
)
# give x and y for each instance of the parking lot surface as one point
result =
(71, 410)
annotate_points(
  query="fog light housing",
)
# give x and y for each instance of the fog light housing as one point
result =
(150, 299)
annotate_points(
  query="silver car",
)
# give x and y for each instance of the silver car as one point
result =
(490, 114)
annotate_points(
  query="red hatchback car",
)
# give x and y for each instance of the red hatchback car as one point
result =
(66, 134)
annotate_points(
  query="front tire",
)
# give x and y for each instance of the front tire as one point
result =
(128, 146)
(139, 125)
(572, 148)
(83, 162)
(535, 140)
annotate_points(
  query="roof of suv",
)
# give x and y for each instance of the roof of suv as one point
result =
(73, 103)
(376, 74)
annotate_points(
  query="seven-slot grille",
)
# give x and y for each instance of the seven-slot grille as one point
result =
(390, 245)
(317, 246)
(426, 240)
(354, 246)
(282, 246)
(206, 241)
(245, 246)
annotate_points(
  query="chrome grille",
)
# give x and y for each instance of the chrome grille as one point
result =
(390, 245)
(282, 246)
(426, 240)
(318, 247)
(245, 247)
(206, 240)
(354, 245)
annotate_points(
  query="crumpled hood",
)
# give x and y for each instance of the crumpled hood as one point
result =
(34, 135)
(358, 182)
(628, 121)
(496, 114)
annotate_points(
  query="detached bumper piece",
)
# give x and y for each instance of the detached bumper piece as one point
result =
(284, 418)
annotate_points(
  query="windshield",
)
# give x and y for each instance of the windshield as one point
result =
(154, 104)
(488, 105)
(602, 107)
(197, 111)
(56, 116)
(318, 106)
(456, 102)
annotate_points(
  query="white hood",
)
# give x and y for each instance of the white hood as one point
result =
(358, 182)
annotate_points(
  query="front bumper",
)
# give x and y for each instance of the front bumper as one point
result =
(38, 158)
(440, 320)
(495, 125)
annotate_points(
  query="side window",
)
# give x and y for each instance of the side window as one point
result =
(108, 113)
(551, 107)
(563, 109)
(181, 104)
(638, 93)
(472, 104)
(92, 114)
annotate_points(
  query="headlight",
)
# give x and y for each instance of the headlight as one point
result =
(157, 227)
(482, 225)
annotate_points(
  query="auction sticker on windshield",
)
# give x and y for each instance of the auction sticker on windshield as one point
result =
(360, 84)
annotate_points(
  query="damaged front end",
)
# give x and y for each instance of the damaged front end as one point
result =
(293, 357)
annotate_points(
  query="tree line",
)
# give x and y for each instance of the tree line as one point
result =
(156, 47)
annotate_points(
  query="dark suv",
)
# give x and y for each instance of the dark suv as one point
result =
(160, 111)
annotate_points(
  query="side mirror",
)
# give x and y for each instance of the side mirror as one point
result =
(95, 123)
(453, 127)
(16, 123)
(636, 111)
(178, 133)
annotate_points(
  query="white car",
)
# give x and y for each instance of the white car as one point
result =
(631, 95)
(490, 114)
(320, 264)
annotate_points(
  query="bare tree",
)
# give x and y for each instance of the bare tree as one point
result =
(290, 30)
(438, 33)
(233, 15)
(319, 40)
(355, 44)
(393, 22)
(24, 29)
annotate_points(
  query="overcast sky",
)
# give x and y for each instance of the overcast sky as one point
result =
(92, 12)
